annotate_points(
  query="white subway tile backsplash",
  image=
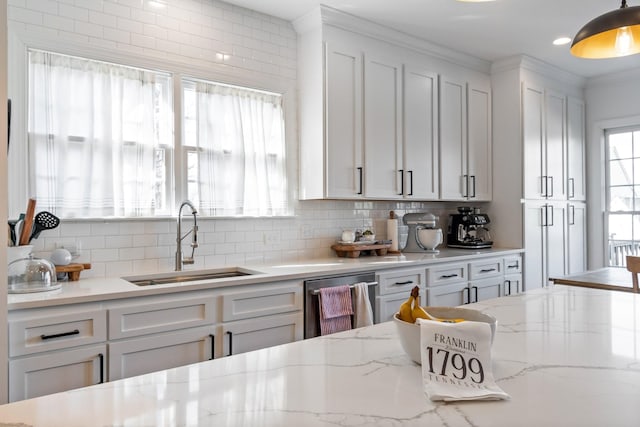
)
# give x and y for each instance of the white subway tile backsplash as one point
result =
(88, 29)
(104, 255)
(139, 240)
(26, 16)
(131, 254)
(117, 9)
(104, 19)
(130, 25)
(73, 12)
(119, 241)
(118, 36)
(143, 41)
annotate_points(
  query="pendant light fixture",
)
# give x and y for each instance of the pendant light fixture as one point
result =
(614, 34)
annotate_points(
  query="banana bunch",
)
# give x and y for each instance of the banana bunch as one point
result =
(410, 310)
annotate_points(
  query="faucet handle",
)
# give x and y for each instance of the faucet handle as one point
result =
(188, 260)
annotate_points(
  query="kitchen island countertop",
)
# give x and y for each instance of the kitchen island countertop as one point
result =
(567, 356)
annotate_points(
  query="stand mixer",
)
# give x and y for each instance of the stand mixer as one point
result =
(424, 235)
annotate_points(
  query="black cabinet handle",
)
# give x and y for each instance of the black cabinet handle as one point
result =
(572, 194)
(551, 223)
(407, 282)
(466, 183)
(101, 359)
(572, 221)
(487, 270)
(544, 185)
(230, 343)
(550, 195)
(543, 216)
(513, 265)
(410, 183)
(62, 334)
(475, 288)
(401, 182)
(473, 179)
(448, 276)
(508, 283)
(468, 294)
(360, 179)
(213, 346)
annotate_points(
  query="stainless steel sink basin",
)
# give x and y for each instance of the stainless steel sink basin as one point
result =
(189, 276)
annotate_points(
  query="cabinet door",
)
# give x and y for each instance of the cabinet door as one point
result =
(576, 150)
(55, 372)
(141, 355)
(556, 229)
(448, 295)
(535, 244)
(400, 281)
(384, 173)
(453, 140)
(420, 134)
(388, 305)
(479, 143)
(533, 142)
(512, 284)
(480, 290)
(343, 112)
(555, 119)
(261, 332)
(576, 238)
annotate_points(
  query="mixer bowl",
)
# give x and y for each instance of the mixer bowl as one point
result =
(429, 238)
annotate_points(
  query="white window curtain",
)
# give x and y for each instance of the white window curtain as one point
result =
(99, 137)
(239, 143)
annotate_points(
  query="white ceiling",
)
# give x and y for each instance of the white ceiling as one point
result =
(488, 30)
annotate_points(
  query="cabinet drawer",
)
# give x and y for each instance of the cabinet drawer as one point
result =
(448, 273)
(391, 282)
(513, 264)
(55, 332)
(142, 355)
(161, 316)
(261, 301)
(450, 295)
(485, 268)
(388, 305)
(35, 376)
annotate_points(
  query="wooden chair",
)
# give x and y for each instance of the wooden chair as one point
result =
(633, 265)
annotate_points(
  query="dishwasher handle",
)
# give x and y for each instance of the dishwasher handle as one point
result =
(317, 291)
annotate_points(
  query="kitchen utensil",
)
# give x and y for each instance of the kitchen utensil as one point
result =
(18, 228)
(12, 231)
(25, 234)
(43, 221)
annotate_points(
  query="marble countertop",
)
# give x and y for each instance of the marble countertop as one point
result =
(101, 289)
(567, 356)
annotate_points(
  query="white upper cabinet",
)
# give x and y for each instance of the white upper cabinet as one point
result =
(479, 142)
(384, 173)
(576, 188)
(533, 141)
(555, 120)
(453, 139)
(420, 148)
(343, 125)
(465, 141)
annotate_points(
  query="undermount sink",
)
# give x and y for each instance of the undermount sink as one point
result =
(189, 276)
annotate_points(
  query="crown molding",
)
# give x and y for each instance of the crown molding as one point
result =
(614, 78)
(539, 67)
(324, 15)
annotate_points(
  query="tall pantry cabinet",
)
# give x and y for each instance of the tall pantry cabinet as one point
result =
(540, 117)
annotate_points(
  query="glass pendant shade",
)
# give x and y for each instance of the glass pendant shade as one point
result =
(614, 34)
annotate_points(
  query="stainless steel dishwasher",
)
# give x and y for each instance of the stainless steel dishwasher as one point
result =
(312, 288)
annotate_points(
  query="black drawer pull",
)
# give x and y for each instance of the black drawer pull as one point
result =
(213, 346)
(62, 334)
(449, 276)
(101, 358)
(408, 282)
(513, 265)
(230, 342)
(487, 270)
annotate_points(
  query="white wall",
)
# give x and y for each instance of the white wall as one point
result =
(212, 39)
(612, 101)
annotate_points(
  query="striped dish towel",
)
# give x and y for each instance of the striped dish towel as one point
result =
(335, 309)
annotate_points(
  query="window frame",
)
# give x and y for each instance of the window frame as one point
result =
(19, 42)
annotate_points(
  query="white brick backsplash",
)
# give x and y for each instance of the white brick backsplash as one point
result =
(73, 12)
(116, 9)
(119, 241)
(119, 268)
(102, 19)
(159, 252)
(130, 25)
(104, 255)
(155, 31)
(131, 253)
(144, 16)
(143, 41)
(88, 28)
(25, 15)
(46, 6)
(144, 240)
(57, 22)
(118, 36)
(95, 5)
(106, 228)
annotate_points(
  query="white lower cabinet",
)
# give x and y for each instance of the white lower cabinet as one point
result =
(394, 288)
(56, 371)
(447, 295)
(141, 355)
(253, 334)
(512, 284)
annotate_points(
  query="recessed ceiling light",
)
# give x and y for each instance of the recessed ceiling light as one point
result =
(561, 41)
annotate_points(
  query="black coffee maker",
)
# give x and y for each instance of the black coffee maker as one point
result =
(468, 229)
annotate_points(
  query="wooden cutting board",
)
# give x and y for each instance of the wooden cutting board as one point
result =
(73, 270)
(354, 250)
